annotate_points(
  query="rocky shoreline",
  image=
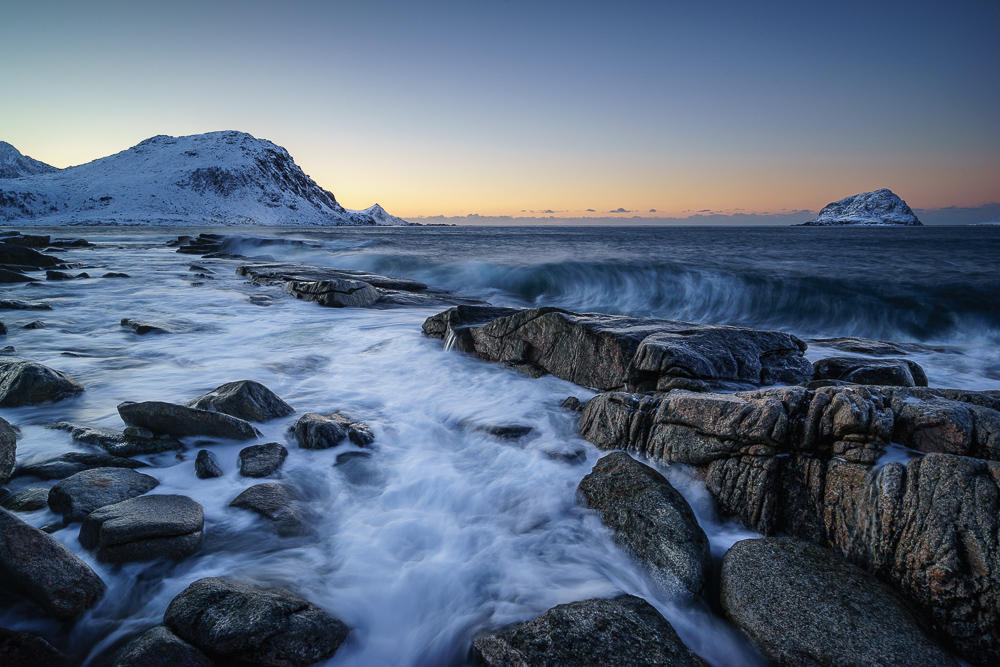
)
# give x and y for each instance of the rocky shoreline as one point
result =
(876, 496)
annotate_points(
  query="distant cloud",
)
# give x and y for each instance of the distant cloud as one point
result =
(548, 210)
(652, 210)
(705, 210)
(590, 210)
(620, 210)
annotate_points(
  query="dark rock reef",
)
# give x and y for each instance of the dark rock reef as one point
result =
(144, 528)
(617, 352)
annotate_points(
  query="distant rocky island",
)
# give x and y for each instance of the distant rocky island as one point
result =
(218, 178)
(882, 208)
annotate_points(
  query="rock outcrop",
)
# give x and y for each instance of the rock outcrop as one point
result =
(878, 208)
(243, 399)
(652, 522)
(24, 382)
(625, 630)
(40, 568)
(809, 463)
(23, 648)
(276, 503)
(8, 450)
(616, 352)
(70, 463)
(118, 443)
(885, 372)
(181, 421)
(144, 528)
(233, 622)
(261, 460)
(803, 605)
(205, 465)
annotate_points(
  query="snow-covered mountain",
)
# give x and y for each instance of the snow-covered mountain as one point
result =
(881, 207)
(15, 165)
(218, 178)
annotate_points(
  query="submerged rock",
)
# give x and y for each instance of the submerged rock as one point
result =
(8, 276)
(118, 443)
(617, 352)
(24, 382)
(14, 255)
(244, 399)
(14, 304)
(802, 604)
(275, 502)
(181, 421)
(205, 465)
(37, 324)
(262, 460)
(32, 499)
(887, 372)
(313, 431)
(40, 568)
(652, 522)
(77, 496)
(144, 528)
(161, 648)
(336, 293)
(625, 630)
(236, 622)
(143, 327)
(23, 648)
(8, 450)
(70, 463)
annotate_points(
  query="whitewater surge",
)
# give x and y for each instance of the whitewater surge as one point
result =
(446, 531)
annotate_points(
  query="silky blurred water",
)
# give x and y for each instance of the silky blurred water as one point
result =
(447, 531)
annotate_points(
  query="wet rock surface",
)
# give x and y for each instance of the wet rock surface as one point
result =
(889, 372)
(236, 622)
(652, 522)
(15, 304)
(313, 431)
(20, 256)
(245, 399)
(808, 463)
(29, 650)
(161, 648)
(70, 463)
(802, 604)
(275, 502)
(144, 528)
(118, 443)
(181, 421)
(261, 460)
(8, 450)
(38, 567)
(24, 382)
(78, 495)
(32, 499)
(617, 352)
(205, 465)
(625, 630)
(143, 327)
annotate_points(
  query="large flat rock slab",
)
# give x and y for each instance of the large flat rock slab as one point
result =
(144, 528)
(181, 421)
(617, 352)
(78, 495)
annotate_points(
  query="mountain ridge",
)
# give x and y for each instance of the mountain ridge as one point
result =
(13, 164)
(217, 178)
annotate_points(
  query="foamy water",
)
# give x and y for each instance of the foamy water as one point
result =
(444, 531)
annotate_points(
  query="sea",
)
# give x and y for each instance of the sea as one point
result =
(447, 531)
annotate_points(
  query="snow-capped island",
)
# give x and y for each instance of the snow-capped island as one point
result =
(218, 178)
(879, 208)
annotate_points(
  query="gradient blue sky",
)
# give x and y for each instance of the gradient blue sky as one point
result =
(533, 108)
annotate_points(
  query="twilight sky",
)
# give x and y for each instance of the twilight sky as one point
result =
(529, 107)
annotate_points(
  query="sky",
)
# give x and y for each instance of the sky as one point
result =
(500, 110)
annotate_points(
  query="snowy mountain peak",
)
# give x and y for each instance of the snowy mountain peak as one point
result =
(15, 165)
(881, 207)
(224, 178)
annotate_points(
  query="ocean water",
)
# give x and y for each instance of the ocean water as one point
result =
(447, 531)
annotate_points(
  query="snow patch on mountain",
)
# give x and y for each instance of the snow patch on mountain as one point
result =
(15, 165)
(218, 178)
(878, 208)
